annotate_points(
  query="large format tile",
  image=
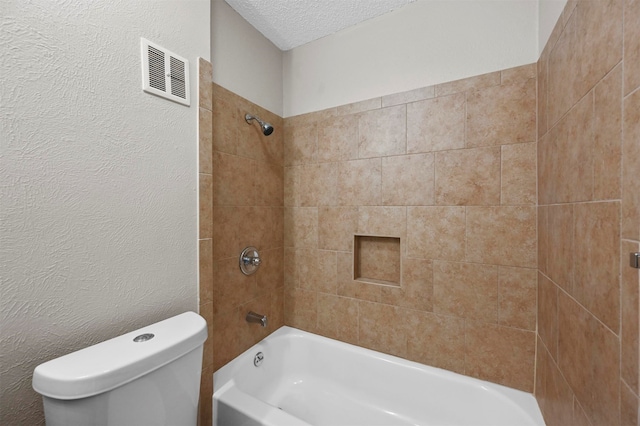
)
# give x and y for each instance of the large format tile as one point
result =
(436, 124)
(408, 180)
(436, 340)
(631, 168)
(436, 232)
(629, 335)
(518, 181)
(466, 290)
(381, 328)
(383, 132)
(589, 358)
(499, 354)
(597, 266)
(502, 114)
(631, 45)
(468, 177)
(359, 182)
(338, 139)
(502, 235)
(517, 297)
(336, 227)
(548, 314)
(560, 245)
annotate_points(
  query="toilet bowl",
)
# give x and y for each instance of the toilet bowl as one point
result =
(150, 376)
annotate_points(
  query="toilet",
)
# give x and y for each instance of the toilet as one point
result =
(150, 376)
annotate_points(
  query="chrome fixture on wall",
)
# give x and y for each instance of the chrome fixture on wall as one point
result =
(249, 260)
(267, 128)
(257, 318)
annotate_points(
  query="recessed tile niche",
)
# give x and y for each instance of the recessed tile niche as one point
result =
(377, 260)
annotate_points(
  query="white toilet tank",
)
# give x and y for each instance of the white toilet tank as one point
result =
(150, 376)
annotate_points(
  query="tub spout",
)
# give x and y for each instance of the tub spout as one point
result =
(257, 318)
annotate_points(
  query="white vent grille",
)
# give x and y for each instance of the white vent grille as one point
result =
(164, 73)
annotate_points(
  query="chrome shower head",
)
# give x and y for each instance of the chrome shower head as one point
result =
(267, 128)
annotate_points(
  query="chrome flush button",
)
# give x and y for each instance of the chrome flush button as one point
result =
(143, 337)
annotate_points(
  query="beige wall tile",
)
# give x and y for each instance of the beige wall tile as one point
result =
(502, 114)
(360, 290)
(466, 290)
(543, 239)
(597, 266)
(318, 185)
(226, 119)
(408, 180)
(382, 221)
(338, 139)
(205, 201)
(589, 358)
(205, 264)
(631, 45)
(381, 328)
(301, 309)
(338, 318)
(519, 74)
(436, 232)
(205, 77)
(589, 47)
(502, 235)
(225, 338)
(230, 233)
(362, 106)
(205, 413)
(311, 117)
(518, 182)
(500, 354)
(409, 96)
(548, 314)
(205, 140)
(277, 308)
(268, 183)
(301, 227)
(607, 141)
(476, 82)
(270, 276)
(336, 227)
(416, 291)
(630, 358)
(300, 144)
(234, 183)
(436, 124)
(383, 132)
(251, 333)
(348, 287)
(631, 168)
(543, 84)
(553, 393)
(377, 260)
(317, 270)
(359, 182)
(206, 312)
(517, 297)
(436, 340)
(292, 190)
(629, 403)
(231, 288)
(560, 263)
(468, 177)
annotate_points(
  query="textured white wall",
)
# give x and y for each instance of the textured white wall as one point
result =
(98, 180)
(421, 44)
(548, 13)
(243, 60)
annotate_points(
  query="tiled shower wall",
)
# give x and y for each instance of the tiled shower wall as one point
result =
(241, 204)
(589, 215)
(247, 199)
(451, 171)
(205, 242)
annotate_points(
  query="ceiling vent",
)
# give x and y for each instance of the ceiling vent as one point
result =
(164, 73)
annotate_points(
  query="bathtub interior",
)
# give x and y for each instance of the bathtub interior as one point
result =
(310, 379)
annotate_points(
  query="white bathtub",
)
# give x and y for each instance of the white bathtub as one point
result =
(305, 379)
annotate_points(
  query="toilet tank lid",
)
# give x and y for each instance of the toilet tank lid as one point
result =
(112, 363)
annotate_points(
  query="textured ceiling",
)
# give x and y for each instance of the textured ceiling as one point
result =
(291, 23)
